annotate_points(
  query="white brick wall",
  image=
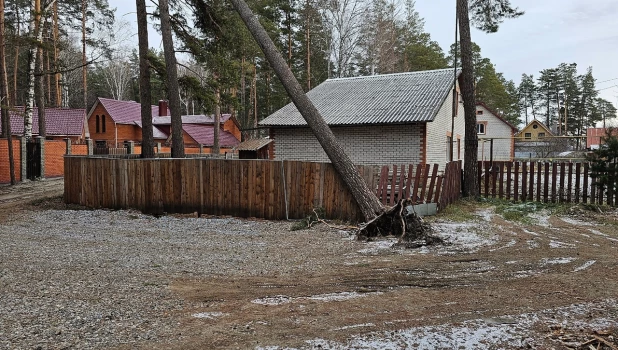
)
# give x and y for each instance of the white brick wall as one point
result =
(366, 145)
(438, 130)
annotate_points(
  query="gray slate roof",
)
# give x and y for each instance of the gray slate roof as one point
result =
(378, 99)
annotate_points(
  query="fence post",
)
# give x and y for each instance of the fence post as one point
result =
(158, 147)
(41, 141)
(201, 148)
(68, 146)
(130, 147)
(89, 146)
(23, 158)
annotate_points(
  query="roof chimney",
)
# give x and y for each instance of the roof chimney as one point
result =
(162, 108)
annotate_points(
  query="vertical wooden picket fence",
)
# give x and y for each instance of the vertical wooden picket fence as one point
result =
(423, 183)
(557, 182)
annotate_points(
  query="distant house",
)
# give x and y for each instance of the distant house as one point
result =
(535, 140)
(112, 122)
(60, 123)
(398, 118)
(495, 135)
(594, 137)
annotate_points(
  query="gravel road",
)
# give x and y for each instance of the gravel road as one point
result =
(82, 279)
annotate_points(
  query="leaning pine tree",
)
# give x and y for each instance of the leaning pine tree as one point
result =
(396, 221)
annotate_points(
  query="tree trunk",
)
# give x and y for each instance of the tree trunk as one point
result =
(470, 180)
(144, 80)
(58, 91)
(308, 35)
(4, 96)
(178, 148)
(33, 27)
(85, 67)
(215, 146)
(16, 58)
(365, 198)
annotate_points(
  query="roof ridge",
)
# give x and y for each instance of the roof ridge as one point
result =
(418, 72)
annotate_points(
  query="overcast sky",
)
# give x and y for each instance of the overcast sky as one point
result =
(551, 32)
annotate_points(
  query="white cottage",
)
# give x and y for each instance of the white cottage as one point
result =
(495, 135)
(402, 118)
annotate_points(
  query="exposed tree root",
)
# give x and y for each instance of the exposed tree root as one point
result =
(400, 221)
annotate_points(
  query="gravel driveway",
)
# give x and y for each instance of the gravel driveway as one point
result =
(96, 279)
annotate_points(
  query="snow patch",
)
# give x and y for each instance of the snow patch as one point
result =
(556, 261)
(354, 326)
(558, 244)
(209, 315)
(576, 222)
(274, 300)
(586, 265)
(599, 233)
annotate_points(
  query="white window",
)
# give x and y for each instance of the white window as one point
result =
(480, 128)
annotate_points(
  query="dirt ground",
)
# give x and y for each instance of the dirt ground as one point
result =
(550, 283)
(547, 280)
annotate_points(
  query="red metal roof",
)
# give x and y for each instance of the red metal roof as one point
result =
(126, 112)
(205, 135)
(58, 121)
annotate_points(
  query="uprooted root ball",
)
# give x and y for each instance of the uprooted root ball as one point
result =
(400, 221)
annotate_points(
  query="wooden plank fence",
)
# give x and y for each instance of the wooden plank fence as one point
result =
(243, 188)
(557, 182)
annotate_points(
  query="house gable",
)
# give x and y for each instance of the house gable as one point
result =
(534, 130)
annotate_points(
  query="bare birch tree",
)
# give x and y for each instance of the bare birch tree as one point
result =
(344, 19)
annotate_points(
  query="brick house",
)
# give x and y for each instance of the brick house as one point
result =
(60, 123)
(403, 118)
(113, 122)
(495, 134)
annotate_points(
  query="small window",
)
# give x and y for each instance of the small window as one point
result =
(480, 128)
(535, 126)
(541, 135)
(528, 136)
(98, 130)
(103, 122)
(479, 112)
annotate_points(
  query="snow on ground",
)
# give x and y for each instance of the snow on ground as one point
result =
(509, 331)
(599, 233)
(556, 261)
(541, 217)
(586, 265)
(463, 236)
(283, 299)
(576, 222)
(209, 315)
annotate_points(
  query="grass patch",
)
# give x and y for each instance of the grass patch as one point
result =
(460, 211)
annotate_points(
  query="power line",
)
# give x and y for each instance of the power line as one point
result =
(605, 81)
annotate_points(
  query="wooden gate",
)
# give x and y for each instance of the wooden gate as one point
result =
(33, 160)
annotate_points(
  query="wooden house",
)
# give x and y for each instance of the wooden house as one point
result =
(60, 123)
(496, 135)
(112, 122)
